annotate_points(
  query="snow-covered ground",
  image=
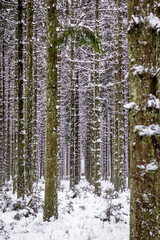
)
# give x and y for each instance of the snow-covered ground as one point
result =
(82, 215)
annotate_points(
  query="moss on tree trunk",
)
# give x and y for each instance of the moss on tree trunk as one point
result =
(51, 199)
(144, 148)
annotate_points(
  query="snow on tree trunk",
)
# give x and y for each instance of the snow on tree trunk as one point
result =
(119, 147)
(20, 105)
(97, 140)
(29, 100)
(144, 81)
(51, 179)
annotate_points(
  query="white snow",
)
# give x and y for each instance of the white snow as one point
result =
(98, 140)
(129, 105)
(150, 130)
(139, 69)
(135, 19)
(153, 102)
(82, 216)
(154, 21)
(151, 166)
(141, 166)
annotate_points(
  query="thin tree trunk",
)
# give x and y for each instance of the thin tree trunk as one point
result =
(97, 141)
(29, 102)
(77, 144)
(72, 129)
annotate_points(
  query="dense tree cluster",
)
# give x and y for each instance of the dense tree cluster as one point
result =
(67, 73)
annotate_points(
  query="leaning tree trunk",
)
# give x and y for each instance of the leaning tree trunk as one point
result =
(51, 179)
(144, 79)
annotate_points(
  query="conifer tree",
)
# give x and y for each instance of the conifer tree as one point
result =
(97, 140)
(51, 179)
(1, 132)
(29, 100)
(72, 131)
(8, 132)
(20, 106)
(143, 38)
(77, 143)
(119, 144)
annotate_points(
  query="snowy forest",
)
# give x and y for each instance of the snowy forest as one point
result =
(79, 119)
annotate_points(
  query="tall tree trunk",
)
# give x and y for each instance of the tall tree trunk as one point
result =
(144, 120)
(77, 143)
(29, 101)
(1, 122)
(3, 111)
(119, 165)
(72, 129)
(15, 128)
(97, 140)
(35, 78)
(20, 107)
(8, 146)
(51, 179)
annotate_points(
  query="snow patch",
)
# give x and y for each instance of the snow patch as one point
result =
(129, 105)
(147, 130)
(82, 215)
(154, 21)
(139, 69)
(151, 167)
(153, 102)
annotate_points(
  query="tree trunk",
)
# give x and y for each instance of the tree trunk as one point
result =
(77, 144)
(29, 102)
(144, 120)
(97, 141)
(119, 165)
(51, 179)
(72, 129)
(19, 92)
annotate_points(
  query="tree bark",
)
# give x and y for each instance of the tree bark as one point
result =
(144, 115)
(51, 179)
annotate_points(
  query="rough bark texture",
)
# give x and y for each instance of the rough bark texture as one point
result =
(97, 177)
(89, 161)
(29, 101)
(72, 129)
(119, 166)
(1, 117)
(8, 138)
(35, 92)
(77, 143)
(144, 147)
(19, 91)
(51, 199)
(3, 111)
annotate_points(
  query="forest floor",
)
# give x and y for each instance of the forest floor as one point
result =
(82, 215)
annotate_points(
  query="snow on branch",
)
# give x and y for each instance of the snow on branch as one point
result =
(139, 69)
(154, 21)
(150, 130)
(135, 21)
(151, 166)
(153, 102)
(129, 105)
